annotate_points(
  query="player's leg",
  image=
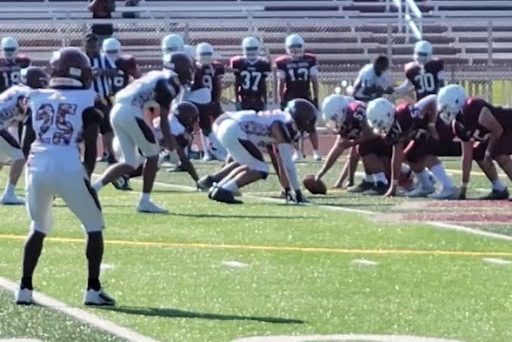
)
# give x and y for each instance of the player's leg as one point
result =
(313, 138)
(415, 155)
(348, 171)
(448, 189)
(40, 192)
(107, 134)
(498, 189)
(10, 147)
(206, 182)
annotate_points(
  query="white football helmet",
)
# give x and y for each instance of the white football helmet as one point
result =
(112, 48)
(251, 48)
(204, 53)
(190, 51)
(334, 111)
(171, 43)
(295, 45)
(380, 114)
(10, 47)
(450, 101)
(422, 52)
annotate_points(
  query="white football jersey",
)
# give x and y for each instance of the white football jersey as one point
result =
(57, 120)
(141, 93)
(11, 110)
(367, 79)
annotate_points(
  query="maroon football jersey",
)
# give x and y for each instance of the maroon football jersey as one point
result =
(206, 76)
(405, 126)
(355, 121)
(10, 71)
(251, 76)
(297, 75)
(425, 78)
(125, 67)
(466, 126)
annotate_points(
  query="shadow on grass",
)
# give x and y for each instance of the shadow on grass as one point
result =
(229, 216)
(176, 313)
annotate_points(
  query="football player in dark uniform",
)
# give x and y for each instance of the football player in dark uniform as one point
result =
(125, 67)
(11, 63)
(297, 73)
(208, 75)
(485, 132)
(251, 72)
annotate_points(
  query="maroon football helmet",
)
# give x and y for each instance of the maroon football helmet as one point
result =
(187, 115)
(71, 64)
(303, 113)
(34, 77)
(183, 66)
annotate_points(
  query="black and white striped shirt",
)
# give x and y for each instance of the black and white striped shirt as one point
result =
(102, 84)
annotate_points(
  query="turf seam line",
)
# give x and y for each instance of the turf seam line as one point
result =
(81, 315)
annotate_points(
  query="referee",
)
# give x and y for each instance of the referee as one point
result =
(102, 83)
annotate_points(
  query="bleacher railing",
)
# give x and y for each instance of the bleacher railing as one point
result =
(411, 19)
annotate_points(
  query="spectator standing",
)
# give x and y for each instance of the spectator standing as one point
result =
(131, 15)
(102, 9)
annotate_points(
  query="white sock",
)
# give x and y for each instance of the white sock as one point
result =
(441, 175)
(368, 178)
(97, 186)
(316, 152)
(9, 188)
(423, 178)
(380, 177)
(144, 197)
(404, 168)
(231, 186)
(498, 185)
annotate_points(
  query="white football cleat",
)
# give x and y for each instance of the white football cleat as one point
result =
(420, 191)
(93, 297)
(446, 194)
(296, 156)
(11, 199)
(23, 296)
(147, 206)
(317, 157)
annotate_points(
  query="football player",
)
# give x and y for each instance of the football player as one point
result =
(208, 75)
(124, 66)
(347, 118)
(403, 127)
(243, 133)
(60, 119)
(155, 89)
(171, 43)
(12, 112)
(11, 63)
(297, 74)
(373, 80)
(485, 132)
(251, 73)
(425, 75)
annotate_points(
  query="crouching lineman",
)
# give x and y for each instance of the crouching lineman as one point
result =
(12, 112)
(348, 119)
(406, 125)
(156, 88)
(243, 133)
(60, 118)
(485, 132)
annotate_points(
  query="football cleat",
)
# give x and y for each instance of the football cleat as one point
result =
(297, 157)
(147, 206)
(378, 189)
(122, 183)
(224, 196)
(93, 297)
(11, 199)
(446, 194)
(205, 183)
(495, 195)
(23, 296)
(420, 191)
(317, 157)
(361, 187)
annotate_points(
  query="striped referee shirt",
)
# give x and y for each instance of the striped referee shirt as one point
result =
(102, 84)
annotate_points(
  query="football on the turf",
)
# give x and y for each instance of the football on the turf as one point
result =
(316, 187)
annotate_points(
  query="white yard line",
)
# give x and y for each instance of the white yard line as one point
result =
(81, 315)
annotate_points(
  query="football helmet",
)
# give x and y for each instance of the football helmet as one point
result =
(183, 66)
(112, 48)
(170, 44)
(303, 113)
(380, 114)
(187, 115)
(204, 53)
(10, 47)
(190, 51)
(71, 67)
(295, 45)
(422, 52)
(334, 111)
(450, 101)
(251, 48)
(34, 77)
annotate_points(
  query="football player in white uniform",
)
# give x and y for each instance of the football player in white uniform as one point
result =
(243, 133)
(12, 112)
(61, 118)
(155, 89)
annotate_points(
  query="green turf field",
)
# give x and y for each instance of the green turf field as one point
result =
(213, 272)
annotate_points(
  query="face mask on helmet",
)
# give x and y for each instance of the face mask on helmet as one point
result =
(334, 111)
(172, 43)
(112, 48)
(295, 46)
(422, 52)
(380, 114)
(450, 101)
(251, 47)
(204, 53)
(9, 47)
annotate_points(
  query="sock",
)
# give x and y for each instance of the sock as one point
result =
(93, 284)
(380, 177)
(94, 253)
(97, 186)
(26, 283)
(441, 175)
(404, 168)
(498, 185)
(316, 152)
(9, 188)
(423, 178)
(231, 186)
(31, 254)
(368, 178)
(144, 197)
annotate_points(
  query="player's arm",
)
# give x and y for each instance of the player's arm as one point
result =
(313, 72)
(334, 153)
(428, 109)
(133, 69)
(467, 163)
(280, 77)
(404, 88)
(29, 135)
(279, 168)
(165, 93)
(487, 120)
(91, 119)
(396, 163)
(181, 143)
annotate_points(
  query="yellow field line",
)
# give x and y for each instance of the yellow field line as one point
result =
(193, 245)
